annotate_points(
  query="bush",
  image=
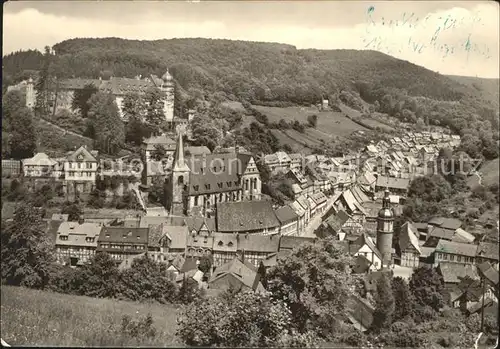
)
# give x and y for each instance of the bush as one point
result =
(138, 329)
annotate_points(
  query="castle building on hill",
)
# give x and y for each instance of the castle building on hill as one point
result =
(64, 91)
(199, 182)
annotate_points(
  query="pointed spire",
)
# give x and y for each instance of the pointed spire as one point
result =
(179, 163)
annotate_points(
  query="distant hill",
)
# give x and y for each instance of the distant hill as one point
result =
(279, 75)
(488, 88)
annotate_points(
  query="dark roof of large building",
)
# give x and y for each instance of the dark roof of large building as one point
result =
(290, 242)
(124, 235)
(258, 243)
(362, 265)
(285, 214)
(408, 237)
(245, 216)
(215, 173)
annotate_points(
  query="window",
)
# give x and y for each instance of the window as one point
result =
(63, 237)
(229, 184)
(445, 256)
(196, 199)
(452, 257)
(207, 186)
(196, 187)
(180, 180)
(219, 185)
(89, 165)
(79, 165)
(459, 258)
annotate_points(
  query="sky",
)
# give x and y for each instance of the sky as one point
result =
(449, 37)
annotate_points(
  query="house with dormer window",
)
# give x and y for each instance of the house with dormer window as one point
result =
(80, 170)
(76, 243)
(121, 242)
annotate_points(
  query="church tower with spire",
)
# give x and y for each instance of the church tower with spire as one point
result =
(179, 180)
(385, 230)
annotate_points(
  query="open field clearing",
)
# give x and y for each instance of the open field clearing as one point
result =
(40, 318)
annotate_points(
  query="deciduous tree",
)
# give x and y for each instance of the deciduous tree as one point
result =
(26, 250)
(384, 304)
(315, 282)
(426, 286)
(81, 98)
(22, 137)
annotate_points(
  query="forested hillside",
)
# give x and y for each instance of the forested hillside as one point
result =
(280, 75)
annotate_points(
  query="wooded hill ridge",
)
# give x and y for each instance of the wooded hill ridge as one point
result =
(280, 75)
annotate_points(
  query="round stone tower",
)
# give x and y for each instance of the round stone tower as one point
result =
(385, 230)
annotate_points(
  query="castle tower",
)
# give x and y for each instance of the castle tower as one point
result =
(30, 94)
(168, 89)
(385, 230)
(180, 179)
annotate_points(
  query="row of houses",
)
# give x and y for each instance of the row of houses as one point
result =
(193, 237)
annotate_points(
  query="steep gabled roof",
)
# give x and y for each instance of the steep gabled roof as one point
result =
(456, 248)
(408, 237)
(238, 270)
(83, 153)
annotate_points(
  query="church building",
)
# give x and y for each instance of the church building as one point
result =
(199, 182)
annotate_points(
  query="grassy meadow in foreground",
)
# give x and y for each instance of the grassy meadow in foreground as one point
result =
(31, 317)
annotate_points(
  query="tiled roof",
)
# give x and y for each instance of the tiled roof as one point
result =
(408, 237)
(488, 250)
(297, 208)
(196, 223)
(155, 235)
(365, 240)
(77, 234)
(86, 155)
(336, 221)
(124, 235)
(40, 159)
(238, 270)
(456, 248)
(245, 216)
(463, 236)
(441, 233)
(224, 242)
(319, 198)
(122, 86)
(362, 264)
(490, 273)
(393, 183)
(285, 214)
(146, 221)
(258, 243)
(446, 223)
(222, 172)
(454, 272)
(290, 242)
(177, 236)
